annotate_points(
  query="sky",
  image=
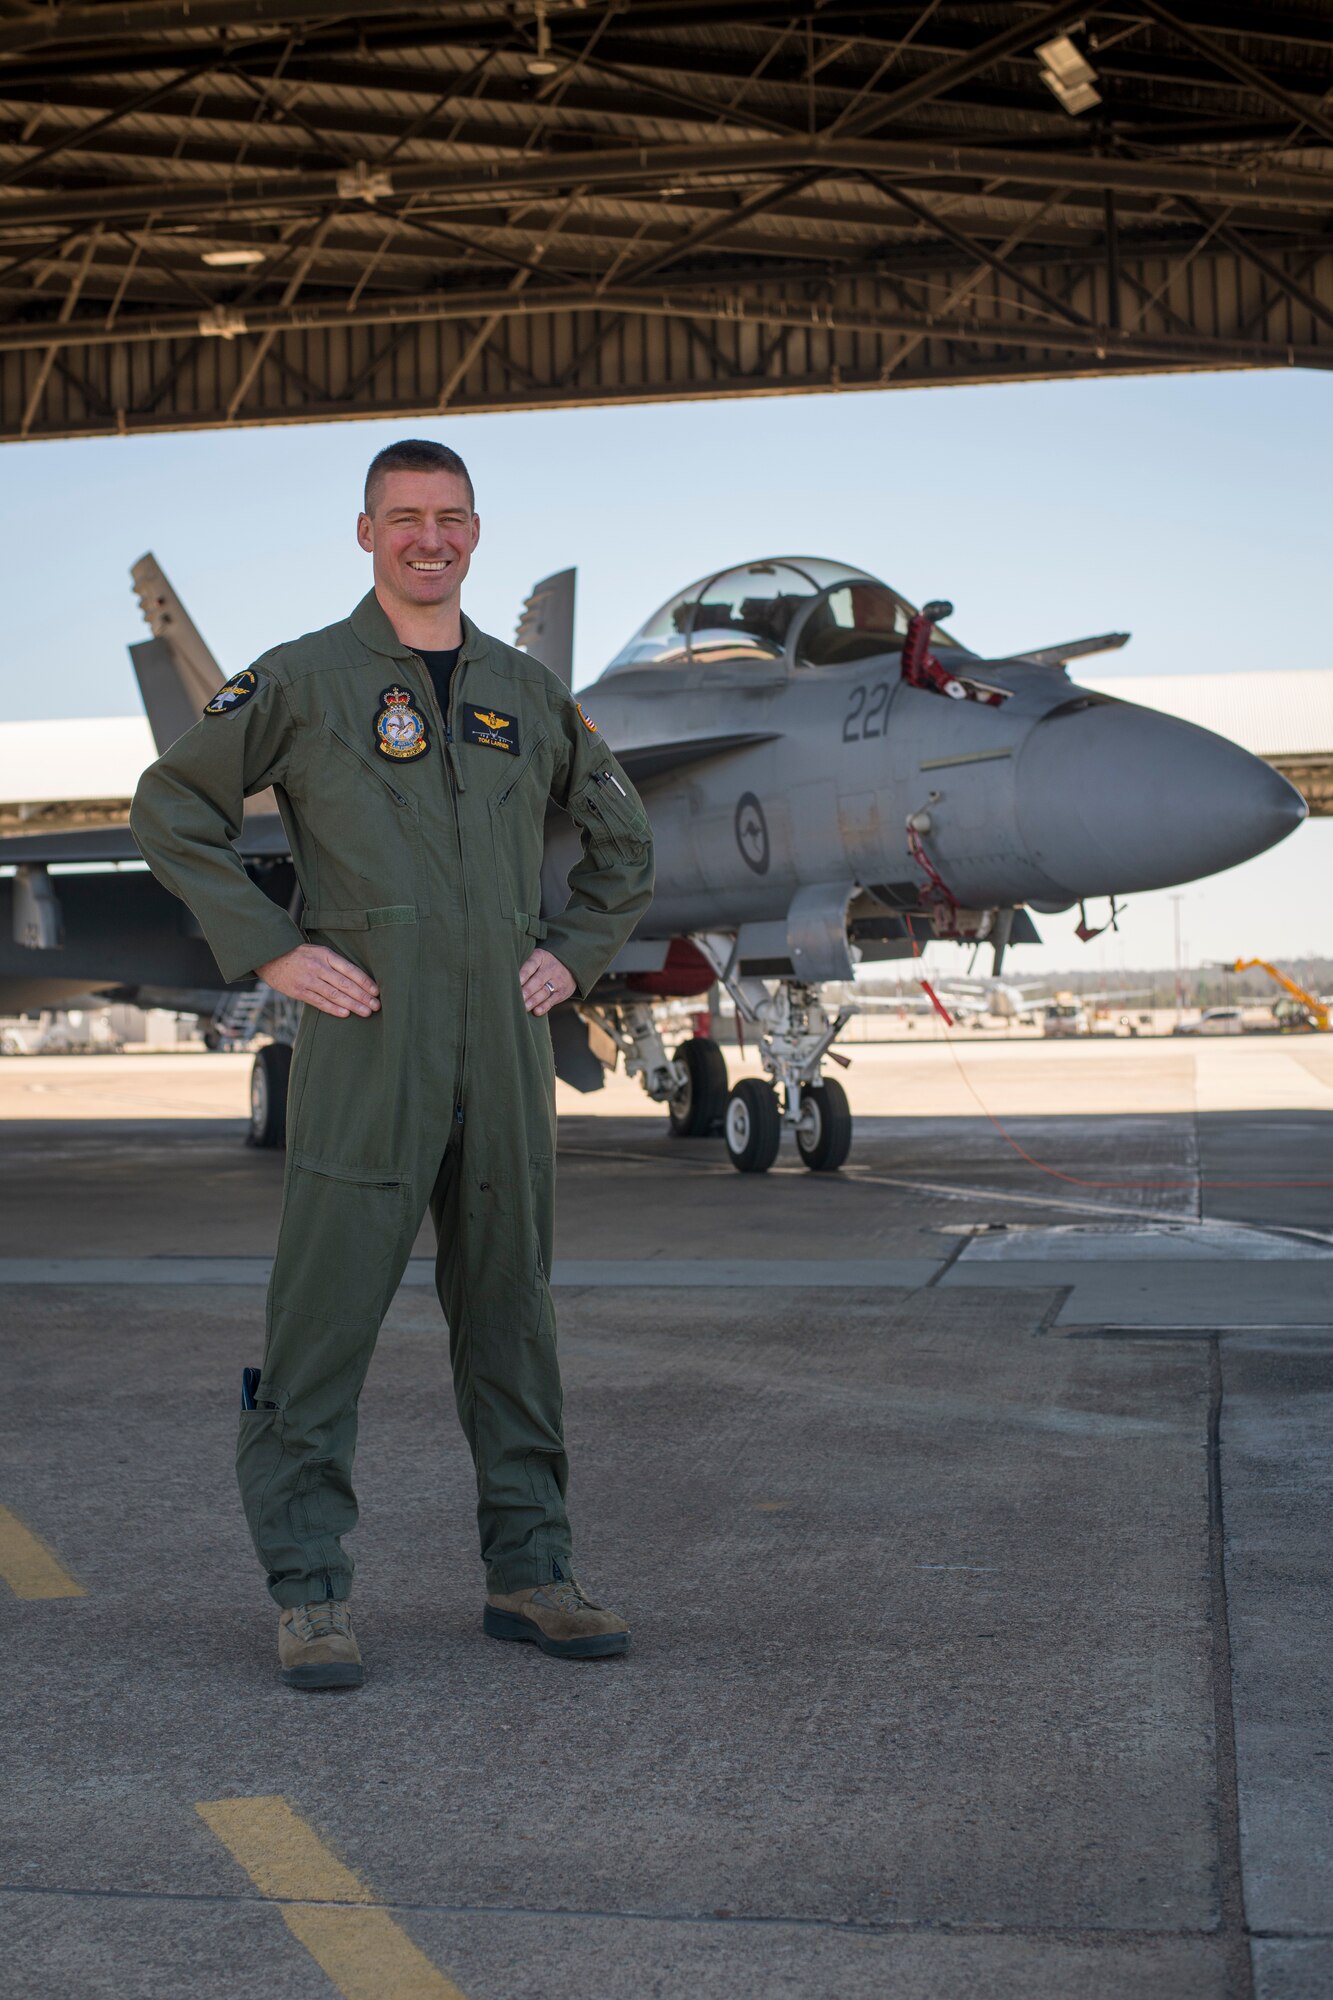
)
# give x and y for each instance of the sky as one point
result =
(1190, 510)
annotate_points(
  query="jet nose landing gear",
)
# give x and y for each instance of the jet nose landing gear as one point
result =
(795, 1035)
(754, 1121)
(753, 1126)
(824, 1126)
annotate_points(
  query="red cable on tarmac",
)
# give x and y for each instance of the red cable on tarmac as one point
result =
(1055, 1173)
(1076, 1180)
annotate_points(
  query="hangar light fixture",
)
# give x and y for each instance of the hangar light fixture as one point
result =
(543, 63)
(1066, 72)
(226, 260)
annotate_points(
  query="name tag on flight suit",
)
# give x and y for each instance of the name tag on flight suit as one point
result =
(490, 728)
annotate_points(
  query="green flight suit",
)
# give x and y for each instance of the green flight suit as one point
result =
(418, 844)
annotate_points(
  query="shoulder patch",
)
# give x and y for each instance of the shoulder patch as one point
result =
(234, 693)
(586, 720)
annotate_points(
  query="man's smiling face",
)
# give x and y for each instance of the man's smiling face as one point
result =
(420, 537)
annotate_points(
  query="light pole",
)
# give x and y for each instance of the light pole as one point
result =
(1176, 902)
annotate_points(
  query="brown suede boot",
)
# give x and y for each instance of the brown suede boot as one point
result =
(316, 1648)
(558, 1618)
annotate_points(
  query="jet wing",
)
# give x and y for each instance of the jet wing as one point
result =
(647, 761)
(263, 838)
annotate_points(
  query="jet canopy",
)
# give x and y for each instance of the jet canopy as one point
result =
(805, 609)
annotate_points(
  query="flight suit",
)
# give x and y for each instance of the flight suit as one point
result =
(417, 841)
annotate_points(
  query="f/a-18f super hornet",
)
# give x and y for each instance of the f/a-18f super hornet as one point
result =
(832, 777)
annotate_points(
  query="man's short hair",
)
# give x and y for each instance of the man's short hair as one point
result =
(415, 455)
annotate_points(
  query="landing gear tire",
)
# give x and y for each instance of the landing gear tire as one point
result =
(824, 1132)
(753, 1126)
(699, 1109)
(269, 1077)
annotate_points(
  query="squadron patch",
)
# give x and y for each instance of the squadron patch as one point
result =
(234, 693)
(491, 729)
(586, 720)
(400, 729)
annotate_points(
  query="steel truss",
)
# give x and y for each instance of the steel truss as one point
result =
(446, 212)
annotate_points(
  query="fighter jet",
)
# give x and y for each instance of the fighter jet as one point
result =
(832, 777)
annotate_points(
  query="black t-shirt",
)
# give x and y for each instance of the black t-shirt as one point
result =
(440, 665)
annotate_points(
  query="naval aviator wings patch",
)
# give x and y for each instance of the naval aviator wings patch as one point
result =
(234, 694)
(490, 728)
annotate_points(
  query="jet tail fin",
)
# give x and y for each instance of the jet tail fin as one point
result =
(176, 672)
(546, 624)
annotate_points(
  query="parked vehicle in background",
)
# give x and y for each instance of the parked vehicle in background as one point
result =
(1213, 1021)
(1064, 1017)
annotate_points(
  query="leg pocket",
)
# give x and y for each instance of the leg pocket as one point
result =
(497, 1250)
(345, 1238)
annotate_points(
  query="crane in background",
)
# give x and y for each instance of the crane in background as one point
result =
(1317, 1014)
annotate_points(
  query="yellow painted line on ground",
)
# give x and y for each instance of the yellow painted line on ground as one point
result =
(28, 1566)
(358, 1946)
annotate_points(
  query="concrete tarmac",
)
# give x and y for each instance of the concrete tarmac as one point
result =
(972, 1524)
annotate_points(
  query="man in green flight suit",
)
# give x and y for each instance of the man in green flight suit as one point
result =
(413, 760)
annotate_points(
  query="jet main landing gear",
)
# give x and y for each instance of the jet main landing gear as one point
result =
(269, 1077)
(241, 1016)
(692, 1084)
(700, 1105)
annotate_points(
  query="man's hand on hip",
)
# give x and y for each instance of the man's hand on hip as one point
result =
(322, 979)
(545, 982)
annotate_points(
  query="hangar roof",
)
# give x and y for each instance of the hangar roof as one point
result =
(1279, 712)
(249, 211)
(1284, 714)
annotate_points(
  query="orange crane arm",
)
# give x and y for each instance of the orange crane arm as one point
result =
(1318, 1012)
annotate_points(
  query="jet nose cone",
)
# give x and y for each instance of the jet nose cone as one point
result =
(1113, 798)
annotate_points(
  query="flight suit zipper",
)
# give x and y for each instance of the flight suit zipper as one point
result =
(446, 723)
